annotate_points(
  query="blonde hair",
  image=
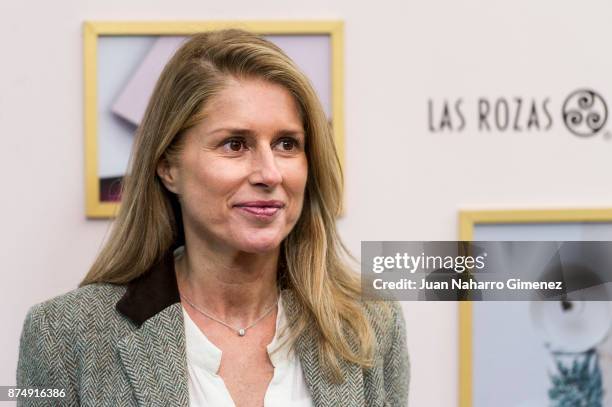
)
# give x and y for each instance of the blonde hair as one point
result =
(312, 260)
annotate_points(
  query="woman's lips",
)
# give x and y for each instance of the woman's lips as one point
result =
(261, 211)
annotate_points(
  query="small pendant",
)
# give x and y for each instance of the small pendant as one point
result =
(241, 332)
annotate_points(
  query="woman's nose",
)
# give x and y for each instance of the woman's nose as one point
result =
(265, 169)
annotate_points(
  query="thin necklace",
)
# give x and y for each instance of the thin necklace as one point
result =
(239, 331)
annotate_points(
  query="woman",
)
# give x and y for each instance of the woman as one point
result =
(223, 281)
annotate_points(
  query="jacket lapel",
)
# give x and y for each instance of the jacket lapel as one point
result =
(154, 359)
(324, 393)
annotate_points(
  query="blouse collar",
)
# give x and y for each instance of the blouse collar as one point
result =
(202, 352)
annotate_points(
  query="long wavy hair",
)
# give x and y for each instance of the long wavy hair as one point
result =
(313, 258)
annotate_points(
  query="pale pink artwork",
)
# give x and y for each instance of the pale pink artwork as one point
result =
(132, 101)
(311, 53)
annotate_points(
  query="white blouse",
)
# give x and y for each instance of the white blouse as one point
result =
(206, 388)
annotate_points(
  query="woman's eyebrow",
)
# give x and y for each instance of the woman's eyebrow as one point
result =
(247, 132)
(233, 130)
(289, 132)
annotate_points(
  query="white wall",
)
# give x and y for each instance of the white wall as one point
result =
(403, 183)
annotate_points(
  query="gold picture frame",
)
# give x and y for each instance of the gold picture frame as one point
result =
(468, 219)
(93, 30)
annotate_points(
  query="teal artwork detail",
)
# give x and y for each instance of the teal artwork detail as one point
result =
(577, 381)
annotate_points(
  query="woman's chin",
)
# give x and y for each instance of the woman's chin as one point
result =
(259, 248)
(259, 244)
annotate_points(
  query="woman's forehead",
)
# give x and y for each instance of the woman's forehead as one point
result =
(252, 102)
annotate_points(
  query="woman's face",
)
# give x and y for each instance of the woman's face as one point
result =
(242, 172)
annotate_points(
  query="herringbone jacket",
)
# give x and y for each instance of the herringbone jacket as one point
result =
(124, 345)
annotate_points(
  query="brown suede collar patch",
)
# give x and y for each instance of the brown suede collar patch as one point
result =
(150, 293)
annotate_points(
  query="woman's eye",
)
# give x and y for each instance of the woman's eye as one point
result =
(235, 144)
(288, 144)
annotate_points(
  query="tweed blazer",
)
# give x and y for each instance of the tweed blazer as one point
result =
(124, 345)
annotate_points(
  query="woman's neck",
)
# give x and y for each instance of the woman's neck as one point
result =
(236, 287)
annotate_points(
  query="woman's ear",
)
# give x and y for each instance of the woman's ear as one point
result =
(168, 174)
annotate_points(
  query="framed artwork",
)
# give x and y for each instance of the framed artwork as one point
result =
(122, 61)
(507, 353)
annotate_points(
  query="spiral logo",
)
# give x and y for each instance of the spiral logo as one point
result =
(585, 112)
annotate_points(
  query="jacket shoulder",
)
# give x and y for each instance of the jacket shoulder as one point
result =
(392, 360)
(386, 319)
(62, 335)
(85, 299)
(80, 308)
